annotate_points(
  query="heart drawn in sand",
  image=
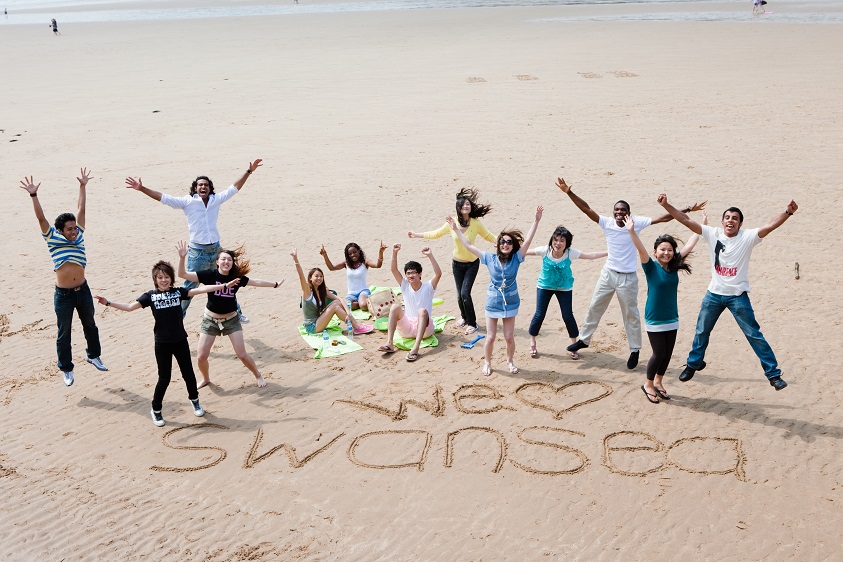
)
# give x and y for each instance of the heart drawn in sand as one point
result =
(543, 402)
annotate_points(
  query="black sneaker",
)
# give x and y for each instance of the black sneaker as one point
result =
(632, 362)
(778, 383)
(576, 346)
(157, 418)
(688, 373)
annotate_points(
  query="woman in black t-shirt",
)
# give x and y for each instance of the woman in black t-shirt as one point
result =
(221, 317)
(170, 336)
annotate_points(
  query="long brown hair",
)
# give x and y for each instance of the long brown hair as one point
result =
(517, 240)
(241, 265)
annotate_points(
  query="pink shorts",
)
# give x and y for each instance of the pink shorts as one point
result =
(408, 327)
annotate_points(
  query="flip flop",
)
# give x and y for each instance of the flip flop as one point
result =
(574, 355)
(470, 330)
(412, 357)
(387, 349)
(648, 395)
(461, 323)
(663, 394)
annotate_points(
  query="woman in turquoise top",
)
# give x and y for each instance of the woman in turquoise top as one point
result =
(661, 314)
(557, 280)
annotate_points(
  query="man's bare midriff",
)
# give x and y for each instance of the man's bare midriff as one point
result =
(70, 275)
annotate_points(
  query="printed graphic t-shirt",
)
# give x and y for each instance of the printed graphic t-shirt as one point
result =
(166, 309)
(730, 259)
(221, 301)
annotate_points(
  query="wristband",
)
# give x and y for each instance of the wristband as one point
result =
(276, 285)
(33, 195)
(107, 302)
(248, 171)
(788, 213)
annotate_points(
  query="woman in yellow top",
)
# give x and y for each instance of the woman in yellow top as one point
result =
(465, 265)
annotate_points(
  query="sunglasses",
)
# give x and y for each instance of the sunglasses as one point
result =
(505, 242)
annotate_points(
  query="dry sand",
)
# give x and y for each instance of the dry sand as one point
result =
(368, 124)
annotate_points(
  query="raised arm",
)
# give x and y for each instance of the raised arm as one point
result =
(264, 283)
(593, 255)
(692, 241)
(83, 182)
(532, 232)
(137, 185)
(31, 188)
(689, 209)
(331, 267)
(779, 220)
(305, 286)
(581, 205)
(182, 272)
(377, 264)
(693, 225)
(437, 272)
(202, 289)
(432, 234)
(393, 266)
(639, 245)
(252, 167)
(461, 237)
(124, 307)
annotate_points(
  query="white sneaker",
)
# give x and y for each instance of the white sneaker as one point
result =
(97, 362)
(157, 418)
(244, 319)
(197, 409)
(68, 378)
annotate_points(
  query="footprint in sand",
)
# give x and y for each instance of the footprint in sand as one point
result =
(623, 74)
(524, 77)
(590, 74)
(474, 79)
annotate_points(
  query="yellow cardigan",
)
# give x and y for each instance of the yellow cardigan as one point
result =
(461, 253)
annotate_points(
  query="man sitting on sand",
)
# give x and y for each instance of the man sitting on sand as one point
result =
(730, 249)
(620, 273)
(415, 319)
(66, 243)
(202, 209)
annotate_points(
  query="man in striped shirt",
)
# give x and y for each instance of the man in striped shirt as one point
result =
(66, 243)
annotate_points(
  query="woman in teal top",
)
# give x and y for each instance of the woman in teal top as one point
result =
(661, 314)
(557, 280)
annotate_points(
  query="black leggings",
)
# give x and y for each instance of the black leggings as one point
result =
(464, 276)
(662, 344)
(164, 353)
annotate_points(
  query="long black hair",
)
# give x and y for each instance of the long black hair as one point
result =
(477, 210)
(348, 263)
(678, 262)
(319, 293)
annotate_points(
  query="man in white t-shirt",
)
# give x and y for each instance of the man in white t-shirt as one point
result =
(415, 319)
(620, 273)
(730, 249)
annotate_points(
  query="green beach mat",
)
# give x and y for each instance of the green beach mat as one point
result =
(334, 333)
(439, 322)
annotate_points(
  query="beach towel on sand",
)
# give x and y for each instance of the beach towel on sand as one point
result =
(407, 343)
(334, 333)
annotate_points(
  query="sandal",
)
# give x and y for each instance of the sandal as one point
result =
(662, 394)
(651, 397)
(470, 330)
(512, 368)
(412, 357)
(574, 355)
(533, 351)
(387, 349)
(460, 323)
(487, 369)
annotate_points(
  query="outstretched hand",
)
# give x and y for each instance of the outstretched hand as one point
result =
(233, 283)
(705, 217)
(629, 223)
(29, 186)
(698, 206)
(83, 181)
(792, 207)
(539, 211)
(255, 165)
(383, 247)
(564, 187)
(662, 199)
(135, 184)
(101, 300)
(295, 254)
(181, 246)
(322, 250)
(451, 222)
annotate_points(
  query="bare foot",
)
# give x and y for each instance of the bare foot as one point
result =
(203, 384)
(260, 382)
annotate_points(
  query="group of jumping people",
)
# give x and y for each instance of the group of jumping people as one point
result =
(209, 269)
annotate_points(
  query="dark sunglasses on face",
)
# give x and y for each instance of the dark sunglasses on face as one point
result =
(505, 242)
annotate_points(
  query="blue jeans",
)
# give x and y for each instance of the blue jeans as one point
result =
(65, 302)
(543, 298)
(200, 259)
(740, 307)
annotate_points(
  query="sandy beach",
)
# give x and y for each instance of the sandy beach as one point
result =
(368, 124)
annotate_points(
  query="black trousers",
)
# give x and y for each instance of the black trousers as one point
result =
(164, 353)
(464, 276)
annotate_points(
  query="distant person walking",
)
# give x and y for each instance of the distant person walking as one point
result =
(55, 26)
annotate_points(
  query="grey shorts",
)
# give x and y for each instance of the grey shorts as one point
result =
(220, 327)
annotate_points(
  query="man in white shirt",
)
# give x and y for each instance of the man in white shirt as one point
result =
(620, 272)
(730, 249)
(202, 209)
(415, 319)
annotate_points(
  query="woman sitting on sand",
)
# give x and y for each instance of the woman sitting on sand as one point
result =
(661, 313)
(465, 265)
(557, 280)
(502, 300)
(221, 317)
(315, 297)
(356, 268)
(170, 335)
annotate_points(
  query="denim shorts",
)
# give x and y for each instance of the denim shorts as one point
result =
(310, 327)
(219, 327)
(356, 296)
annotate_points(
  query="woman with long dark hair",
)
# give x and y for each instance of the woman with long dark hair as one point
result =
(465, 264)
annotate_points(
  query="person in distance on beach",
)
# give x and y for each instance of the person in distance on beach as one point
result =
(356, 269)
(556, 279)
(619, 276)
(502, 299)
(465, 265)
(170, 335)
(730, 249)
(661, 313)
(221, 317)
(55, 26)
(415, 318)
(202, 210)
(66, 243)
(315, 295)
